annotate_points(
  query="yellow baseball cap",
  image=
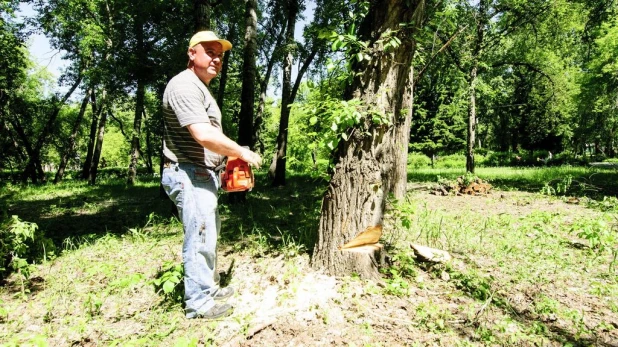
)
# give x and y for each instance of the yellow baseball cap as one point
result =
(209, 36)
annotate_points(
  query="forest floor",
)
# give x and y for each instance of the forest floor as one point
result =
(528, 270)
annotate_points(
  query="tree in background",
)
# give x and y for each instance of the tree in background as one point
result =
(247, 96)
(14, 65)
(292, 8)
(598, 113)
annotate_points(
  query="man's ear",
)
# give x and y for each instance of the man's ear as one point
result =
(191, 53)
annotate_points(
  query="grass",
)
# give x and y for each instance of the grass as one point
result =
(529, 269)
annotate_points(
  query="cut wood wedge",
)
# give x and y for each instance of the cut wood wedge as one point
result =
(369, 236)
(431, 255)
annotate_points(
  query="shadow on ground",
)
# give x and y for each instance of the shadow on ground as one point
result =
(107, 208)
(278, 215)
(275, 216)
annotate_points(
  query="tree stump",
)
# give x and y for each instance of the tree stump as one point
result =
(365, 261)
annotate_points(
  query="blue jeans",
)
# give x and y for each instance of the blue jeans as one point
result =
(194, 191)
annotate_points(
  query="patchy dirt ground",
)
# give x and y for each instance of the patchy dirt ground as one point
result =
(487, 296)
(292, 305)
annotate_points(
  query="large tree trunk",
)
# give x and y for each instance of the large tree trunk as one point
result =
(371, 164)
(72, 140)
(286, 101)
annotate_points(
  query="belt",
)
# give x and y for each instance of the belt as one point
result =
(167, 163)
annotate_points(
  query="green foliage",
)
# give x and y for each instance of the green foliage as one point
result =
(20, 244)
(451, 161)
(115, 151)
(558, 187)
(344, 36)
(403, 268)
(169, 282)
(418, 160)
(601, 237)
(598, 114)
(608, 204)
(332, 120)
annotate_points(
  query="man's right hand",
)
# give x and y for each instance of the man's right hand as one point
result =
(251, 157)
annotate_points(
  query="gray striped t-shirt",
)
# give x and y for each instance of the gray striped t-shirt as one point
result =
(186, 101)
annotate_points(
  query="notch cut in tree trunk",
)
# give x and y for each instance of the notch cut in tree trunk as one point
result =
(371, 164)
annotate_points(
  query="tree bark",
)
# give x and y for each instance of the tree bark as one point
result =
(286, 92)
(139, 100)
(149, 147)
(137, 132)
(471, 121)
(247, 96)
(72, 140)
(201, 10)
(92, 139)
(92, 178)
(371, 164)
(224, 71)
(472, 79)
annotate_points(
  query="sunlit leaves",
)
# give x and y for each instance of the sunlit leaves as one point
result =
(334, 120)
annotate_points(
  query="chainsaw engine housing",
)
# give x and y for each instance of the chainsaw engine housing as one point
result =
(237, 176)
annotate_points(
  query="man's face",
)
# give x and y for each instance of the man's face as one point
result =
(206, 58)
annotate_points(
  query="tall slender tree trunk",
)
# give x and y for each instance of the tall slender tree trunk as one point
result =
(139, 100)
(371, 163)
(301, 72)
(137, 131)
(92, 178)
(92, 138)
(29, 171)
(247, 96)
(149, 147)
(471, 120)
(286, 101)
(224, 71)
(72, 140)
(482, 19)
(259, 115)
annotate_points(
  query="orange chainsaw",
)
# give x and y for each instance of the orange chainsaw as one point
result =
(237, 176)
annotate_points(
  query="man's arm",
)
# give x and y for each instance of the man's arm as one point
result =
(214, 140)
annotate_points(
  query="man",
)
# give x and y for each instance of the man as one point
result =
(194, 145)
